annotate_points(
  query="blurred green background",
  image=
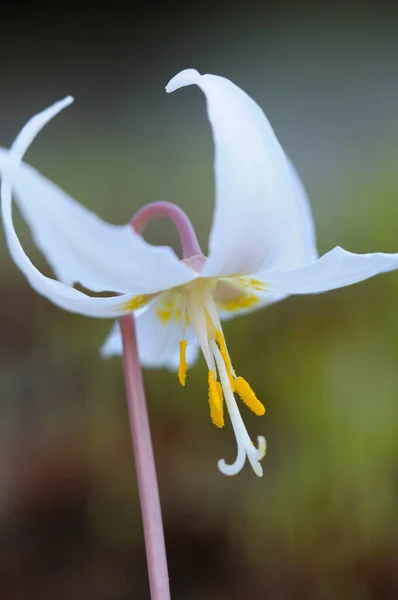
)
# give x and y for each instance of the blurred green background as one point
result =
(322, 523)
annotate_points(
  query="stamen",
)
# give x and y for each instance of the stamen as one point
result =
(214, 394)
(217, 416)
(246, 448)
(215, 401)
(227, 361)
(183, 367)
(197, 319)
(246, 394)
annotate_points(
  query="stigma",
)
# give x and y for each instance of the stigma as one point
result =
(198, 309)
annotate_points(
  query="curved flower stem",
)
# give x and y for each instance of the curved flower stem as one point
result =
(145, 464)
(161, 208)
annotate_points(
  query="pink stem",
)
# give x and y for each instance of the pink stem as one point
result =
(189, 241)
(145, 464)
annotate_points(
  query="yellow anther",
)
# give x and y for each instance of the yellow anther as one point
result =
(216, 401)
(220, 394)
(183, 367)
(248, 396)
(226, 359)
(214, 394)
(217, 417)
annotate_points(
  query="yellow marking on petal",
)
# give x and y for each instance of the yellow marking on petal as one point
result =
(224, 353)
(216, 401)
(243, 301)
(169, 309)
(248, 396)
(164, 314)
(136, 302)
(255, 284)
(183, 367)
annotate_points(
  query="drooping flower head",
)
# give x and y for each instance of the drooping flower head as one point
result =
(261, 249)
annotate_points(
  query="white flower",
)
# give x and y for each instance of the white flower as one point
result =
(262, 248)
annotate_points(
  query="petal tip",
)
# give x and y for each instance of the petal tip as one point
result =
(69, 100)
(182, 79)
(34, 126)
(64, 103)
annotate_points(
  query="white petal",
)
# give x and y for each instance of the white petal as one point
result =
(260, 217)
(158, 342)
(81, 247)
(113, 345)
(335, 269)
(301, 248)
(151, 270)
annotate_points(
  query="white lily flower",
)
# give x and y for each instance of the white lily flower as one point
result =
(262, 248)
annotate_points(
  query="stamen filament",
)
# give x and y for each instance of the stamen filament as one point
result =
(227, 361)
(197, 319)
(183, 314)
(183, 367)
(246, 394)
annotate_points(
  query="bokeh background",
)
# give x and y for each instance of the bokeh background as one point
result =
(322, 523)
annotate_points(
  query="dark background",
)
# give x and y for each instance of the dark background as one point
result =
(323, 521)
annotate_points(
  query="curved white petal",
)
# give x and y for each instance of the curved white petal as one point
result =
(301, 248)
(335, 269)
(158, 342)
(260, 217)
(82, 248)
(146, 281)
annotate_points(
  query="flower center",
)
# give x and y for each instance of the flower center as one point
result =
(195, 304)
(198, 309)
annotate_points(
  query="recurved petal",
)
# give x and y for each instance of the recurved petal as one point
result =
(301, 248)
(335, 269)
(82, 248)
(158, 342)
(261, 216)
(59, 293)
